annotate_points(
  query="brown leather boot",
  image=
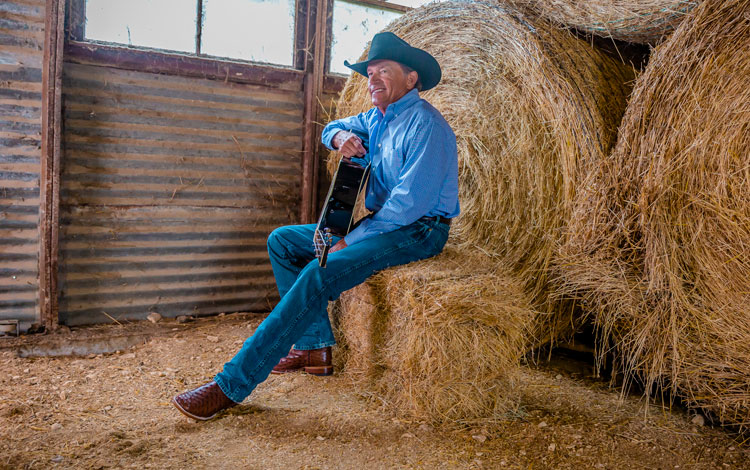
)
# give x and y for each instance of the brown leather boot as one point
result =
(203, 402)
(313, 361)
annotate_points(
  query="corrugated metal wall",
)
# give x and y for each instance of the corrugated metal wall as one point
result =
(21, 44)
(169, 188)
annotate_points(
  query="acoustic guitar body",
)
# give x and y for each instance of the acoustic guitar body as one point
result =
(337, 215)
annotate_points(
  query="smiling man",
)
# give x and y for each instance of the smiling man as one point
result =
(413, 195)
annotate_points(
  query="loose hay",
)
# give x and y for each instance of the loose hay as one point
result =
(533, 107)
(639, 21)
(660, 246)
(439, 339)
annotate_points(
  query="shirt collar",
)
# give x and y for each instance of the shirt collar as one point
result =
(411, 97)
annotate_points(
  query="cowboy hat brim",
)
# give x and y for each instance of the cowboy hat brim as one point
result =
(388, 46)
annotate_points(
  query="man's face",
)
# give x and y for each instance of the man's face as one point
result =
(387, 82)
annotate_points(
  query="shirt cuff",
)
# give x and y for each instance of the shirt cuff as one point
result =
(327, 136)
(356, 235)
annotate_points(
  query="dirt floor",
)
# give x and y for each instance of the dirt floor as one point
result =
(112, 410)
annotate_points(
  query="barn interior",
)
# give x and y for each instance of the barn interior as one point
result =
(590, 309)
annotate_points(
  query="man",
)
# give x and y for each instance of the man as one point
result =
(412, 193)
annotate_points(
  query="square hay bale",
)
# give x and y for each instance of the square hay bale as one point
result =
(439, 339)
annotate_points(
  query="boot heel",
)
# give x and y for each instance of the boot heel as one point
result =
(319, 370)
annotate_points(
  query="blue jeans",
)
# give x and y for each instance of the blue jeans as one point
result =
(301, 316)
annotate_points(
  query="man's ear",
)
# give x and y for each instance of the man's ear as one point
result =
(412, 78)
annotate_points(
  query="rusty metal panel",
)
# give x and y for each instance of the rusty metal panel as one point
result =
(169, 188)
(21, 52)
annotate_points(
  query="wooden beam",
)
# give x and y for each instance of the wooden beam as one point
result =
(176, 64)
(75, 27)
(301, 51)
(318, 13)
(334, 83)
(49, 184)
(381, 5)
(198, 26)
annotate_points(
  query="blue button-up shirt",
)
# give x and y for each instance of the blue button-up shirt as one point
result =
(414, 164)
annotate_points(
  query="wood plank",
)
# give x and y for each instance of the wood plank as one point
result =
(50, 171)
(314, 76)
(382, 5)
(183, 65)
(160, 132)
(96, 73)
(83, 95)
(180, 116)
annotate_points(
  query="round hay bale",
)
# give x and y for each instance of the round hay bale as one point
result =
(660, 244)
(533, 107)
(439, 339)
(639, 21)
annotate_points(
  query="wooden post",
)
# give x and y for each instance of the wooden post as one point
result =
(317, 19)
(49, 184)
(199, 27)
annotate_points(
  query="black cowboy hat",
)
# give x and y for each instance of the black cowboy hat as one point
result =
(391, 47)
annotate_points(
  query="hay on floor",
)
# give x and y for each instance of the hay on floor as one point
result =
(660, 246)
(439, 339)
(533, 108)
(639, 21)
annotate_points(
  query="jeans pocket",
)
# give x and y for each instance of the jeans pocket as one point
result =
(415, 233)
(433, 237)
(439, 237)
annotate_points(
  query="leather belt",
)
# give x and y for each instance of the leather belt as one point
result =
(440, 219)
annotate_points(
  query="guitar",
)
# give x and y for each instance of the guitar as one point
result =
(336, 216)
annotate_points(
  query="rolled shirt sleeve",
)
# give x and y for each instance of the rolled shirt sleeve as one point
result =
(355, 124)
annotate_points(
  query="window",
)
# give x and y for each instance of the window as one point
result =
(256, 30)
(355, 22)
(253, 30)
(125, 23)
(354, 25)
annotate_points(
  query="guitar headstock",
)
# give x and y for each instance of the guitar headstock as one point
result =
(322, 241)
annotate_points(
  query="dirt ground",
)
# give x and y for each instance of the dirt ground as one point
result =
(112, 410)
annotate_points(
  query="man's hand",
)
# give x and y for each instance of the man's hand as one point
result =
(348, 144)
(340, 245)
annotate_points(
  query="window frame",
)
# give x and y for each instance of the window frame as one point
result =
(81, 50)
(333, 82)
